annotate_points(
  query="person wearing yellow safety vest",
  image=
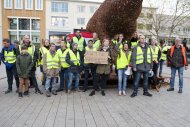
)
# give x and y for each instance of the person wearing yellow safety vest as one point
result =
(103, 70)
(34, 53)
(81, 45)
(51, 65)
(74, 61)
(141, 61)
(68, 41)
(163, 58)
(8, 56)
(123, 60)
(96, 41)
(89, 67)
(134, 41)
(62, 52)
(42, 51)
(156, 54)
(115, 39)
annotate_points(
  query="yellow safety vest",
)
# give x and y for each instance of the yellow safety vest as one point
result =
(88, 49)
(164, 56)
(52, 61)
(133, 44)
(10, 57)
(155, 53)
(43, 51)
(80, 43)
(140, 55)
(30, 49)
(75, 58)
(122, 60)
(97, 44)
(62, 57)
(114, 41)
(68, 45)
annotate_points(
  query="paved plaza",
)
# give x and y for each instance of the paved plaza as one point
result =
(164, 109)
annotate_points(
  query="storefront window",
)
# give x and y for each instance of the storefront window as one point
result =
(13, 23)
(24, 24)
(35, 24)
(35, 37)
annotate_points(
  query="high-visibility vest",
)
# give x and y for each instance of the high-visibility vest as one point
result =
(163, 55)
(30, 50)
(123, 60)
(68, 45)
(97, 44)
(10, 57)
(52, 62)
(43, 51)
(62, 57)
(133, 44)
(155, 53)
(140, 55)
(88, 49)
(75, 58)
(183, 53)
(114, 41)
(80, 43)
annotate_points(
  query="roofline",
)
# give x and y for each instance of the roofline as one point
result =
(81, 1)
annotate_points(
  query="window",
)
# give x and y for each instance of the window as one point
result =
(59, 7)
(92, 9)
(8, 4)
(18, 4)
(29, 4)
(81, 21)
(39, 4)
(81, 8)
(149, 15)
(59, 21)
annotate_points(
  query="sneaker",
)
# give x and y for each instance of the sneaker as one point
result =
(170, 89)
(92, 93)
(85, 90)
(54, 92)
(119, 93)
(124, 93)
(8, 91)
(133, 94)
(103, 93)
(180, 91)
(147, 94)
(69, 91)
(48, 94)
(38, 91)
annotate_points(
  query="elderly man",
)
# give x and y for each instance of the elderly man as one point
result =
(177, 59)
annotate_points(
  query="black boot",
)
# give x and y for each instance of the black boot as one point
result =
(20, 95)
(8, 91)
(170, 89)
(147, 94)
(26, 93)
(38, 91)
(133, 94)
(103, 93)
(92, 93)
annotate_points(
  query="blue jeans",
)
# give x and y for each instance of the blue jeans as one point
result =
(137, 79)
(180, 73)
(71, 76)
(48, 82)
(62, 78)
(122, 80)
(161, 63)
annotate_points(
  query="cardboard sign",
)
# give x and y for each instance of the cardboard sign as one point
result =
(96, 57)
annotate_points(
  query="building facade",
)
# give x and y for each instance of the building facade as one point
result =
(0, 25)
(23, 17)
(64, 16)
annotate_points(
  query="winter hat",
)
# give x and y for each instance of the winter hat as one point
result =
(74, 44)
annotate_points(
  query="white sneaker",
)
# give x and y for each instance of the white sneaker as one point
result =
(124, 93)
(119, 93)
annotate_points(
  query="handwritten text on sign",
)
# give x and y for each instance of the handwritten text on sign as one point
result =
(96, 57)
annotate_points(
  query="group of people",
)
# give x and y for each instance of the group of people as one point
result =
(68, 62)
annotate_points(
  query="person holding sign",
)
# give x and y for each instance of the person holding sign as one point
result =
(123, 60)
(89, 67)
(103, 70)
